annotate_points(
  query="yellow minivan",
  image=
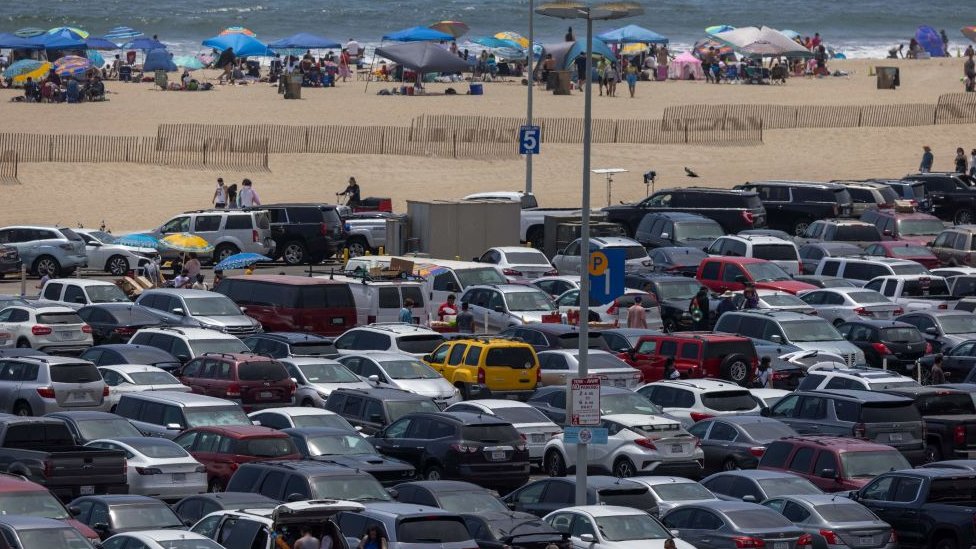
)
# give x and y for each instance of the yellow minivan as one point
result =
(488, 367)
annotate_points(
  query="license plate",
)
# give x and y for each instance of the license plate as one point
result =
(676, 448)
(179, 477)
(76, 397)
(619, 382)
(781, 545)
(498, 455)
(867, 540)
(338, 321)
(895, 437)
(265, 394)
(538, 438)
(87, 490)
(512, 397)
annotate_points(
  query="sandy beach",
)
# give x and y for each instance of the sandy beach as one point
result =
(131, 196)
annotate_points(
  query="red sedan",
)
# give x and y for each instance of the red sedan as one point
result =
(900, 249)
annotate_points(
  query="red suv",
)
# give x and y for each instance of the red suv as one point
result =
(19, 496)
(223, 449)
(253, 381)
(731, 273)
(696, 355)
(834, 464)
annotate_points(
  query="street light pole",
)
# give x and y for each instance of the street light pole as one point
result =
(528, 114)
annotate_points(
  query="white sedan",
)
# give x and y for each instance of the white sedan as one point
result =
(160, 539)
(532, 424)
(104, 254)
(637, 444)
(611, 527)
(127, 378)
(614, 312)
(519, 263)
(158, 467)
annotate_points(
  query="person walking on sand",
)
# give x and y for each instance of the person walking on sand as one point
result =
(969, 71)
(961, 163)
(220, 194)
(972, 163)
(637, 315)
(248, 197)
(632, 79)
(344, 60)
(226, 62)
(928, 159)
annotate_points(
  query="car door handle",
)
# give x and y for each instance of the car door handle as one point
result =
(910, 513)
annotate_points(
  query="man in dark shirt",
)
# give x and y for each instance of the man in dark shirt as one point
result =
(352, 191)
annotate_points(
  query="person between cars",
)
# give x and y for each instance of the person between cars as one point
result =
(699, 309)
(763, 374)
(182, 280)
(192, 266)
(199, 283)
(936, 374)
(406, 315)
(751, 297)
(374, 539)
(465, 320)
(725, 305)
(447, 310)
(669, 370)
(636, 315)
(307, 541)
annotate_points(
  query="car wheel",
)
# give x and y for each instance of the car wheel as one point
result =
(624, 468)
(357, 246)
(932, 452)
(23, 344)
(294, 253)
(800, 227)
(555, 465)
(536, 237)
(224, 251)
(669, 326)
(735, 368)
(433, 472)
(465, 391)
(945, 543)
(46, 265)
(308, 403)
(23, 409)
(730, 465)
(216, 485)
(117, 265)
(962, 216)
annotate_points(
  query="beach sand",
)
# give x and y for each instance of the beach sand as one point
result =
(132, 197)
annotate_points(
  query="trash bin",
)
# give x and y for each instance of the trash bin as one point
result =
(161, 79)
(282, 82)
(888, 78)
(293, 88)
(563, 83)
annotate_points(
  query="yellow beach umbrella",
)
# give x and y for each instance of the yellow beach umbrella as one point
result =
(35, 74)
(514, 37)
(635, 48)
(186, 242)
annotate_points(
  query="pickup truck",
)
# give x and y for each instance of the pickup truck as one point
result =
(734, 210)
(953, 195)
(367, 231)
(950, 421)
(928, 508)
(913, 292)
(44, 451)
(532, 220)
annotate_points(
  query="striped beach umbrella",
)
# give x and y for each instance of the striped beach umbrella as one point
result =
(715, 29)
(186, 242)
(188, 62)
(969, 32)
(71, 66)
(454, 28)
(29, 32)
(73, 32)
(20, 70)
(121, 34)
(240, 261)
(138, 240)
(522, 41)
(238, 30)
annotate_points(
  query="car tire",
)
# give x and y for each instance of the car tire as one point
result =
(23, 344)
(555, 465)
(46, 264)
(294, 253)
(624, 468)
(669, 326)
(536, 236)
(465, 390)
(216, 486)
(730, 465)
(117, 265)
(23, 409)
(932, 451)
(945, 543)
(800, 226)
(224, 251)
(433, 472)
(358, 246)
(963, 216)
(735, 368)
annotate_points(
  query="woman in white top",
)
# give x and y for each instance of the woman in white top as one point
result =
(248, 196)
(220, 194)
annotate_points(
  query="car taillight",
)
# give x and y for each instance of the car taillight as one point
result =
(481, 376)
(46, 392)
(959, 435)
(124, 331)
(645, 443)
(781, 375)
(86, 328)
(943, 306)
(40, 330)
(234, 466)
(521, 446)
(292, 388)
(149, 471)
(748, 217)
(859, 430)
(898, 311)
(511, 272)
(836, 210)
(463, 448)
(48, 468)
(928, 348)
(893, 539)
(538, 376)
(553, 272)
(805, 539)
(698, 416)
(233, 390)
(831, 537)
(254, 236)
(862, 311)
(757, 451)
(743, 542)
(323, 229)
(200, 469)
(881, 348)
(612, 310)
(105, 391)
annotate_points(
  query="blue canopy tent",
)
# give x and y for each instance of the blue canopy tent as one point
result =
(303, 41)
(144, 44)
(244, 45)
(158, 60)
(100, 43)
(417, 34)
(62, 41)
(632, 34)
(13, 41)
(930, 41)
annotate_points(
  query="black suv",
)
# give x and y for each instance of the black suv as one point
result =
(305, 233)
(673, 293)
(375, 408)
(898, 343)
(286, 480)
(792, 205)
(734, 210)
(952, 195)
(553, 337)
(677, 229)
(478, 448)
(286, 344)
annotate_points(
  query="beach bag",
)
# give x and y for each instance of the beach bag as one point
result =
(193, 85)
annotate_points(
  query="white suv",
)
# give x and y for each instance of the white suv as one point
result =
(49, 328)
(861, 269)
(188, 343)
(258, 527)
(824, 376)
(395, 337)
(229, 231)
(776, 250)
(700, 399)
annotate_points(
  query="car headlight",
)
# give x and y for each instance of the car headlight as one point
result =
(457, 391)
(323, 394)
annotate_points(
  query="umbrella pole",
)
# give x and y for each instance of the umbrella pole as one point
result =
(371, 63)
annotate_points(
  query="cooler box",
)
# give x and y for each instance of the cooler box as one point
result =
(477, 89)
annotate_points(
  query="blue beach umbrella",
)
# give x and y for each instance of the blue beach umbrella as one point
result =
(492, 42)
(65, 39)
(25, 66)
(120, 34)
(303, 41)
(416, 34)
(100, 43)
(29, 32)
(632, 34)
(188, 62)
(139, 240)
(13, 41)
(144, 44)
(244, 45)
(240, 261)
(159, 60)
(71, 66)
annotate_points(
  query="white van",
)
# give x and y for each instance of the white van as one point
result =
(381, 300)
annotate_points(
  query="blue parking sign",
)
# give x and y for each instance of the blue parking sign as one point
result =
(606, 272)
(529, 137)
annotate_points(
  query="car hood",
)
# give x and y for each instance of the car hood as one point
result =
(82, 527)
(227, 321)
(921, 240)
(837, 347)
(791, 286)
(366, 462)
(437, 388)
(133, 249)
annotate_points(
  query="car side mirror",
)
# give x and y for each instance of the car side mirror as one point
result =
(932, 243)
(764, 412)
(665, 235)
(776, 339)
(182, 358)
(100, 527)
(675, 533)
(428, 358)
(294, 380)
(741, 279)
(828, 473)
(854, 495)
(255, 422)
(243, 309)
(174, 427)
(394, 493)
(292, 498)
(886, 232)
(474, 259)
(74, 510)
(587, 538)
(374, 379)
(749, 498)
(452, 287)
(376, 418)
(562, 251)
(932, 330)
(177, 311)
(499, 309)
(188, 523)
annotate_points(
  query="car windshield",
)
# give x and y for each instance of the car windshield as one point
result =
(409, 369)
(909, 268)
(920, 227)
(627, 403)
(768, 430)
(36, 503)
(419, 344)
(631, 527)
(341, 445)
(787, 485)
(766, 272)
(203, 417)
(144, 516)
(783, 300)
(327, 372)
(431, 531)
(353, 488)
(873, 463)
(958, 324)
(632, 252)
(158, 448)
(681, 491)
(103, 237)
(229, 345)
(92, 429)
(856, 233)
(809, 331)
(529, 301)
(698, 230)
(526, 258)
(520, 414)
(678, 289)
(775, 252)
(606, 361)
(62, 538)
(867, 297)
(324, 420)
(217, 305)
(153, 378)
(759, 518)
(841, 512)
(106, 294)
(400, 408)
(471, 502)
(480, 275)
(681, 256)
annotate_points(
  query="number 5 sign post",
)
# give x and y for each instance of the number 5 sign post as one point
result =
(529, 137)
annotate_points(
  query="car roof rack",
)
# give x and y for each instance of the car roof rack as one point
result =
(366, 278)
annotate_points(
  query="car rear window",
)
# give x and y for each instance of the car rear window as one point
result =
(638, 497)
(258, 371)
(82, 372)
(633, 252)
(265, 447)
(909, 268)
(850, 512)
(758, 518)
(722, 349)
(511, 357)
(768, 430)
(945, 404)
(571, 341)
(888, 194)
(309, 214)
(883, 412)
(519, 414)
(419, 344)
(901, 335)
(855, 233)
(944, 490)
(32, 435)
(432, 530)
(682, 491)
(775, 252)
(313, 349)
(325, 296)
(925, 287)
(494, 434)
(728, 401)
(59, 318)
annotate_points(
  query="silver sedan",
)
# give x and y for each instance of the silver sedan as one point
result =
(843, 523)
(557, 367)
(838, 305)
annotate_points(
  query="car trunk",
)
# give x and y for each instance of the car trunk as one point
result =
(881, 311)
(510, 369)
(64, 326)
(905, 343)
(897, 424)
(435, 531)
(263, 383)
(77, 384)
(867, 534)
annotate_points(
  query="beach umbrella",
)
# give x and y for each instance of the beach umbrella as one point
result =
(72, 31)
(13, 41)
(95, 58)
(791, 34)
(304, 41)
(417, 34)
(715, 29)
(632, 34)
(969, 32)
(100, 43)
(29, 32)
(188, 62)
(701, 47)
(144, 44)
(454, 28)
(244, 45)
(186, 242)
(71, 66)
(158, 60)
(514, 37)
(492, 42)
(18, 71)
(423, 57)
(930, 40)
(238, 30)
(138, 240)
(122, 33)
(66, 39)
(762, 42)
(240, 261)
